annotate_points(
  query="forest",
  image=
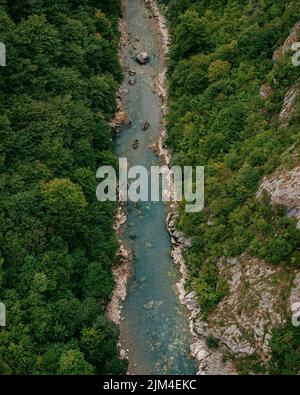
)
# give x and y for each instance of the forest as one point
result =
(57, 246)
(221, 54)
(57, 96)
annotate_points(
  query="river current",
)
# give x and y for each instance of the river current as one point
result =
(155, 327)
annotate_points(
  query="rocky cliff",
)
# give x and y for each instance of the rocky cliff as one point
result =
(260, 296)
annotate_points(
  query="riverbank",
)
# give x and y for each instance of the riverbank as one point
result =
(155, 334)
(122, 272)
(210, 361)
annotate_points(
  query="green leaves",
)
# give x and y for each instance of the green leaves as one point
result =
(191, 36)
(221, 54)
(285, 345)
(97, 283)
(61, 196)
(38, 40)
(72, 362)
(57, 242)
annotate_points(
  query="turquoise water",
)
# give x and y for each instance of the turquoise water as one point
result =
(155, 327)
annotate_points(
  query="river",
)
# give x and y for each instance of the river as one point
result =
(155, 328)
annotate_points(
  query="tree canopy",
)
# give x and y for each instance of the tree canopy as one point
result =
(57, 245)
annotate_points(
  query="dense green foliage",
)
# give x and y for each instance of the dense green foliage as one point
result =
(57, 246)
(285, 350)
(220, 57)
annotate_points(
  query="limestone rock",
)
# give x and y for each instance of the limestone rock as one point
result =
(295, 295)
(251, 309)
(284, 188)
(289, 106)
(121, 117)
(291, 39)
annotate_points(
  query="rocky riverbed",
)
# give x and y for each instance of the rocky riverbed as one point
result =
(155, 334)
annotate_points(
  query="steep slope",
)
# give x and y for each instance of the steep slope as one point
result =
(57, 245)
(234, 109)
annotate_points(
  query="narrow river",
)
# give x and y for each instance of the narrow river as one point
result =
(155, 326)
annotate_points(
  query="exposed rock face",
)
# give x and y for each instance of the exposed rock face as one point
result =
(289, 103)
(121, 117)
(177, 237)
(289, 106)
(154, 148)
(243, 320)
(162, 25)
(120, 219)
(284, 188)
(292, 38)
(295, 296)
(210, 361)
(121, 273)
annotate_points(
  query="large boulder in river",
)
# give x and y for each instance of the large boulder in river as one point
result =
(142, 58)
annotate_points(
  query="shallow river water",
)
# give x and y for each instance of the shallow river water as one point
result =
(155, 326)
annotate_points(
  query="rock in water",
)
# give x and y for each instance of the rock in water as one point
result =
(142, 58)
(149, 305)
(132, 81)
(132, 236)
(135, 144)
(146, 125)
